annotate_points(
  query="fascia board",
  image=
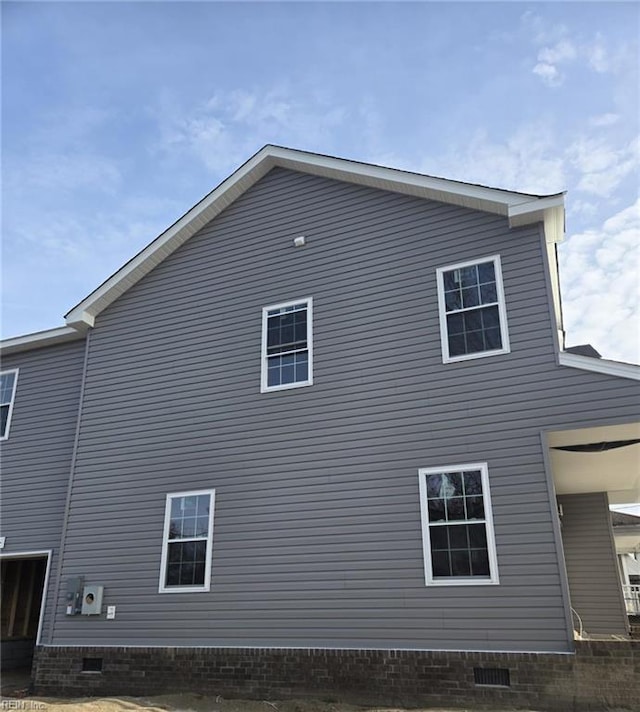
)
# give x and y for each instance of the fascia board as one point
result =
(610, 368)
(493, 200)
(39, 339)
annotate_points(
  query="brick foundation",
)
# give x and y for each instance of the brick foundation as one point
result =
(601, 675)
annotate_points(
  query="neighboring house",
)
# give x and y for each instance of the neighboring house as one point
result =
(327, 412)
(626, 534)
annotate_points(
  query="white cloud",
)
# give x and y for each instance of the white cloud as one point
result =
(549, 74)
(602, 166)
(600, 273)
(527, 161)
(560, 52)
(598, 57)
(229, 126)
(604, 120)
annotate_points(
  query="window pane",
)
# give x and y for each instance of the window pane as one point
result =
(435, 508)
(468, 276)
(4, 417)
(477, 536)
(457, 345)
(490, 317)
(480, 562)
(188, 527)
(472, 482)
(470, 297)
(450, 280)
(458, 537)
(288, 374)
(439, 538)
(451, 484)
(453, 300)
(6, 387)
(475, 508)
(473, 320)
(488, 293)
(455, 508)
(455, 323)
(486, 272)
(475, 342)
(460, 563)
(302, 370)
(441, 563)
(493, 339)
(434, 483)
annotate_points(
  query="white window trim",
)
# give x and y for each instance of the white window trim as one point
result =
(5, 435)
(264, 388)
(502, 311)
(488, 522)
(165, 544)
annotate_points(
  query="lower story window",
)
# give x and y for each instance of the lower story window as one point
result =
(457, 526)
(187, 542)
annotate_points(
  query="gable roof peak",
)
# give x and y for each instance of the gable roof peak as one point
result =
(519, 208)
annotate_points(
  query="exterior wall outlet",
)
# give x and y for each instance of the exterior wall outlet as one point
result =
(92, 600)
(111, 613)
(2, 541)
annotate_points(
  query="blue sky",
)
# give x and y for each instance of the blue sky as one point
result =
(117, 117)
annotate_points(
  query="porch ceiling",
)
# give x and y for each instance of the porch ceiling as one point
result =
(615, 471)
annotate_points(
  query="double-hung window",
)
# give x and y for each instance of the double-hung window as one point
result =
(8, 383)
(457, 525)
(187, 542)
(287, 350)
(473, 319)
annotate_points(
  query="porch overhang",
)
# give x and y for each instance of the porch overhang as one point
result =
(610, 463)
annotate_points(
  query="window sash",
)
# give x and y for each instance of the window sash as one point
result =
(8, 386)
(462, 545)
(287, 364)
(489, 334)
(192, 567)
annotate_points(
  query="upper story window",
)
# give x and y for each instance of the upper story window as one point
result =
(187, 542)
(287, 351)
(457, 525)
(8, 383)
(473, 319)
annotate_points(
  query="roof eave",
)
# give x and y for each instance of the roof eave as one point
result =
(40, 339)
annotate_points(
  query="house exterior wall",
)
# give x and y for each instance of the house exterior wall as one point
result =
(317, 538)
(590, 557)
(36, 457)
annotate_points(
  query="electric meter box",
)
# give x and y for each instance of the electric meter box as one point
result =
(92, 600)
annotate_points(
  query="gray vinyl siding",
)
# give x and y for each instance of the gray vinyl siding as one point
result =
(589, 551)
(317, 537)
(36, 458)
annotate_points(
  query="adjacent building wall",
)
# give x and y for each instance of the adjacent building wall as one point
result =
(589, 551)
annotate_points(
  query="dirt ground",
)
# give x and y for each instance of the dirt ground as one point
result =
(191, 703)
(14, 696)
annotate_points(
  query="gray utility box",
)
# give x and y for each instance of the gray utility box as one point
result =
(92, 600)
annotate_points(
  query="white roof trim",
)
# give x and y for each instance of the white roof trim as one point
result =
(38, 339)
(519, 208)
(610, 368)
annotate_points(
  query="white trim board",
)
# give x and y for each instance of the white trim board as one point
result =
(38, 339)
(610, 368)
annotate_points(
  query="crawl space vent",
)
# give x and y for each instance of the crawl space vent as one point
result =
(493, 677)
